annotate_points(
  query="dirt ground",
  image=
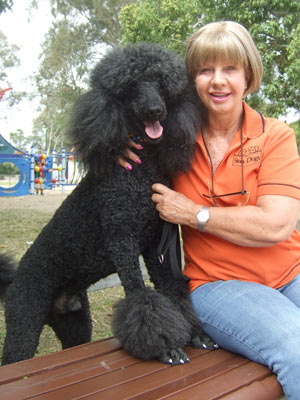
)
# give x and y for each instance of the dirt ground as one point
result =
(47, 203)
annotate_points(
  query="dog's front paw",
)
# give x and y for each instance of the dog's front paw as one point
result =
(174, 357)
(148, 325)
(203, 342)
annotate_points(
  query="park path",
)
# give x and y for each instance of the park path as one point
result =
(50, 202)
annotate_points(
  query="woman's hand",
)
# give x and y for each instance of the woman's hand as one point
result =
(174, 207)
(130, 155)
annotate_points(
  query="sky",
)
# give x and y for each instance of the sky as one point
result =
(27, 30)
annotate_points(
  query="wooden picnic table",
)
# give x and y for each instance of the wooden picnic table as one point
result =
(102, 370)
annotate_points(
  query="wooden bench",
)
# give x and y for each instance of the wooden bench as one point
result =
(102, 370)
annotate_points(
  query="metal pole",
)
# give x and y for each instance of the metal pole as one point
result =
(32, 166)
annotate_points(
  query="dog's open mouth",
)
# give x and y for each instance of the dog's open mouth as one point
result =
(153, 129)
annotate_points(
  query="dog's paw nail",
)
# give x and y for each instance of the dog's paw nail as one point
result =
(181, 361)
(216, 346)
(204, 346)
(170, 361)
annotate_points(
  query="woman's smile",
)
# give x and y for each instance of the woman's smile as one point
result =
(219, 97)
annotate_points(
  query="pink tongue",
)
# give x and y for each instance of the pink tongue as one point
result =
(153, 129)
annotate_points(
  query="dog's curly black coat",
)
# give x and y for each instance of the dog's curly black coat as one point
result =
(109, 219)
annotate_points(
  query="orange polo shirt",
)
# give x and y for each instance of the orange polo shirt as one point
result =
(271, 166)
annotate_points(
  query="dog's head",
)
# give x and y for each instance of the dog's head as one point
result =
(139, 90)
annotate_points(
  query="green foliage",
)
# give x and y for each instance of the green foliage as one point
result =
(8, 168)
(19, 140)
(38, 139)
(5, 5)
(99, 18)
(296, 127)
(274, 25)
(8, 57)
(168, 22)
(60, 79)
(74, 43)
(9, 60)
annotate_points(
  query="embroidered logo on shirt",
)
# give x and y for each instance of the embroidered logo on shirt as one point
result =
(251, 155)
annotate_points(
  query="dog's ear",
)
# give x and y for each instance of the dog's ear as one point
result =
(183, 123)
(98, 131)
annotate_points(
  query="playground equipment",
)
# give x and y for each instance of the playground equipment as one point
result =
(9, 154)
(58, 170)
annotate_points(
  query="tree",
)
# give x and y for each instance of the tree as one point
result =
(168, 22)
(296, 126)
(19, 140)
(5, 5)
(74, 43)
(8, 58)
(274, 25)
(60, 79)
(8, 61)
(98, 18)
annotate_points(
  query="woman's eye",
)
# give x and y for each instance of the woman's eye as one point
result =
(204, 70)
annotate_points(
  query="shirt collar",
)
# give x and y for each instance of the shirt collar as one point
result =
(253, 123)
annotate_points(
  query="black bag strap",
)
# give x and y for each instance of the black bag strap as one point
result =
(170, 241)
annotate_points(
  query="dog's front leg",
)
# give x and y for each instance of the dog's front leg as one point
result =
(176, 289)
(146, 323)
(124, 254)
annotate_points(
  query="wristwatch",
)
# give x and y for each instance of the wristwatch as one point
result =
(202, 218)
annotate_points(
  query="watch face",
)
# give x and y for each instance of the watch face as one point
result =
(202, 218)
(203, 215)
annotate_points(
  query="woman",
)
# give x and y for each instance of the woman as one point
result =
(238, 209)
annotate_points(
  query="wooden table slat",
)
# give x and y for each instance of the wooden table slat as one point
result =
(226, 383)
(57, 360)
(266, 389)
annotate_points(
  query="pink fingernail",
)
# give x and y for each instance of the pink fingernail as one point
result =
(129, 167)
(138, 161)
(140, 147)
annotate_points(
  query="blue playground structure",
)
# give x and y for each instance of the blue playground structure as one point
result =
(60, 169)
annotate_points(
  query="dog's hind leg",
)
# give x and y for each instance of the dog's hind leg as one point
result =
(26, 307)
(72, 327)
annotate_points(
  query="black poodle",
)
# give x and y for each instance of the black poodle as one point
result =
(139, 92)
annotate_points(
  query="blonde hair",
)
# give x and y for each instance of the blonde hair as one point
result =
(228, 41)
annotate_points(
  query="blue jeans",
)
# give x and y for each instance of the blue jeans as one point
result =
(258, 322)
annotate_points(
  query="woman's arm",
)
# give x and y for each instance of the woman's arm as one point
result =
(271, 221)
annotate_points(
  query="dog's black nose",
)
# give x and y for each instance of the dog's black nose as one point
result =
(156, 112)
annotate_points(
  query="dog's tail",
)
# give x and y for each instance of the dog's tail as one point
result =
(7, 274)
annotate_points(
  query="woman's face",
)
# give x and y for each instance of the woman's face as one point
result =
(221, 87)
